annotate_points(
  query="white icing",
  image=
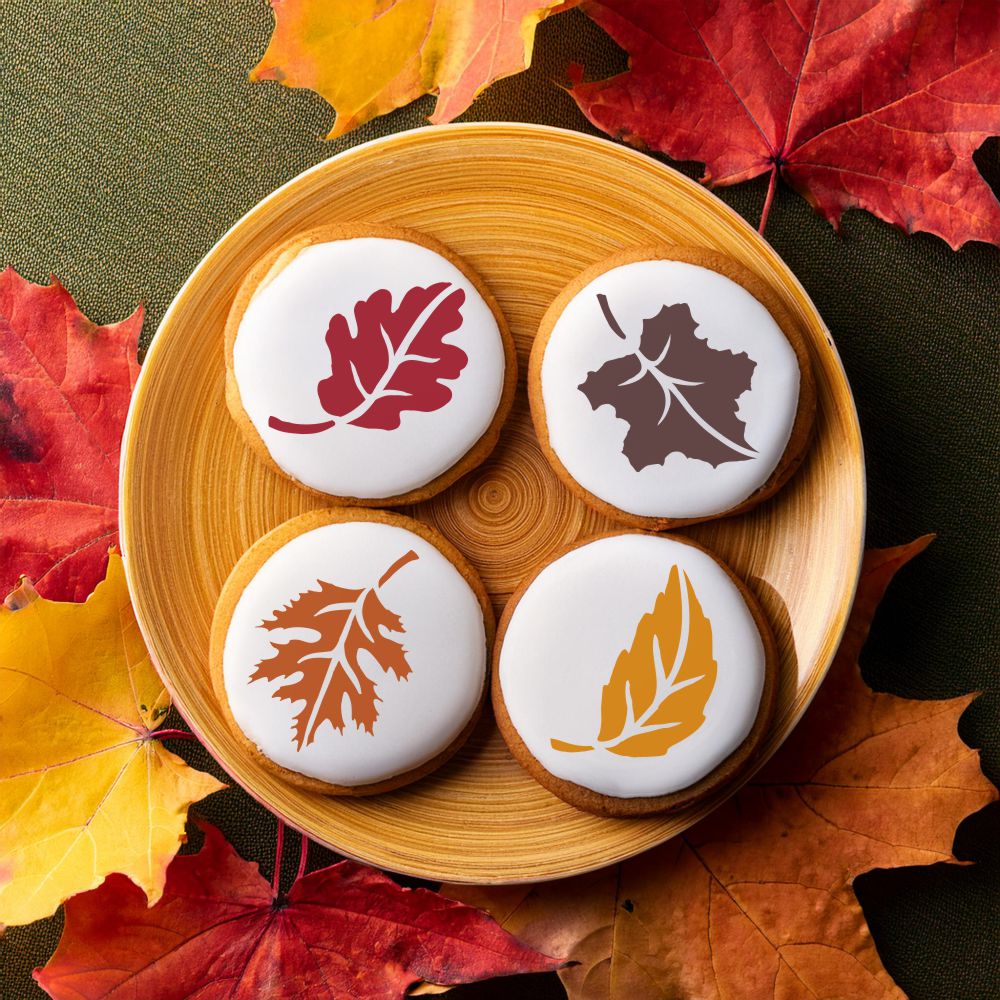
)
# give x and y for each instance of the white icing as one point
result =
(444, 640)
(566, 633)
(280, 355)
(589, 443)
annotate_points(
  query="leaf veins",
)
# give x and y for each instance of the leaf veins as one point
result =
(675, 392)
(324, 670)
(394, 360)
(659, 687)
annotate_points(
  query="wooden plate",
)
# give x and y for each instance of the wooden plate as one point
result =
(529, 206)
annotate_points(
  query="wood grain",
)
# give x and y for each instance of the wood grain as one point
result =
(529, 206)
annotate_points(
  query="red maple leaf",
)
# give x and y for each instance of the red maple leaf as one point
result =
(394, 361)
(873, 104)
(220, 931)
(65, 385)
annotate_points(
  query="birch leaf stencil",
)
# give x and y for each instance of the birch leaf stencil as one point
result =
(660, 685)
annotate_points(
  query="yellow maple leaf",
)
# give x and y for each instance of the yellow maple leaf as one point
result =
(85, 787)
(368, 57)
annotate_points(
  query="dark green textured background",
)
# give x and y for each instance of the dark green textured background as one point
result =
(131, 140)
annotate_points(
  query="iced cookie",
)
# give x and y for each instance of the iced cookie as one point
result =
(368, 363)
(668, 385)
(633, 675)
(349, 650)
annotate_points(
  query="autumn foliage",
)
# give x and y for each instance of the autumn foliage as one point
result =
(876, 105)
(366, 57)
(65, 385)
(756, 900)
(222, 931)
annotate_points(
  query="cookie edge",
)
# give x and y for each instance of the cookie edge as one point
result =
(799, 438)
(246, 568)
(271, 264)
(609, 806)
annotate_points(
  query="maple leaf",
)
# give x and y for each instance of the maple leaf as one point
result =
(65, 385)
(876, 105)
(394, 362)
(756, 899)
(675, 392)
(657, 693)
(220, 931)
(367, 57)
(328, 669)
(85, 786)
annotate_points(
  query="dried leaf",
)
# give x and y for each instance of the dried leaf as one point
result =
(65, 385)
(85, 786)
(367, 57)
(394, 361)
(219, 931)
(756, 900)
(675, 392)
(876, 105)
(346, 622)
(658, 689)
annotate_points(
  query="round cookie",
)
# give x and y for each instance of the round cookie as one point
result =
(368, 363)
(633, 674)
(349, 650)
(668, 385)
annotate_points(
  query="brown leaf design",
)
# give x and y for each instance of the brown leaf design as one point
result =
(659, 687)
(675, 392)
(324, 670)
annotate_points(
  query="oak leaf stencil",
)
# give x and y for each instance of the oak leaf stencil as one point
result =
(660, 685)
(391, 361)
(324, 670)
(675, 392)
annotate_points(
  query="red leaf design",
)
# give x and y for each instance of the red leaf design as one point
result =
(65, 385)
(876, 104)
(327, 669)
(220, 932)
(396, 359)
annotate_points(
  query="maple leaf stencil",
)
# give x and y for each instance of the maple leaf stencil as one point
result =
(325, 670)
(394, 360)
(658, 689)
(675, 392)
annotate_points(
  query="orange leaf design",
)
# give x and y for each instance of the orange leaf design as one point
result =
(324, 670)
(659, 687)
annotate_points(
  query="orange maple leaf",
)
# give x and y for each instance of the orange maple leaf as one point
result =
(346, 622)
(756, 900)
(367, 57)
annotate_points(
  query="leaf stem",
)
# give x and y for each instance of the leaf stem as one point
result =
(279, 849)
(174, 734)
(396, 567)
(303, 857)
(610, 316)
(769, 199)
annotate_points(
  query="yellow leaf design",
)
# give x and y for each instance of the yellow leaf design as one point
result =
(86, 788)
(659, 687)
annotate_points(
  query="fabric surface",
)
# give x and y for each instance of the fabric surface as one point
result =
(132, 140)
